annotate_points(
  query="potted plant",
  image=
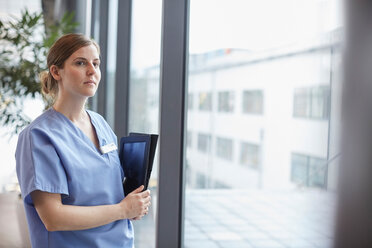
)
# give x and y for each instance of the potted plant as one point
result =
(24, 44)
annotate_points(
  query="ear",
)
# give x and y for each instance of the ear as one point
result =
(54, 70)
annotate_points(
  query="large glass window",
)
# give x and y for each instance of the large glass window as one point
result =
(144, 95)
(226, 101)
(224, 148)
(308, 170)
(267, 65)
(250, 155)
(205, 101)
(253, 101)
(111, 61)
(312, 102)
(204, 142)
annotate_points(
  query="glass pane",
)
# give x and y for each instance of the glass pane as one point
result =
(250, 155)
(261, 79)
(205, 101)
(226, 101)
(319, 103)
(224, 148)
(317, 172)
(301, 103)
(144, 96)
(111, 61)
(204, 142)
(300, 169)
(252, 102)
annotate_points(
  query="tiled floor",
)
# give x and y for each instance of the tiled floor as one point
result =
(13, 226)
(259, 219)
(228, 218)
(252, 219)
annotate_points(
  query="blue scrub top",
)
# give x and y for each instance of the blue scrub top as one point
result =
(54, 155)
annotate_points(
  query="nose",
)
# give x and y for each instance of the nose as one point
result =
(91, 70)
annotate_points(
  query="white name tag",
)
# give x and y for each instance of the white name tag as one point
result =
(108, 148)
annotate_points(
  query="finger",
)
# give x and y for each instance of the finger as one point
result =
(138, 190)
(147, 200)
(145, 193)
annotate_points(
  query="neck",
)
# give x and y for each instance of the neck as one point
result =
(72, 109)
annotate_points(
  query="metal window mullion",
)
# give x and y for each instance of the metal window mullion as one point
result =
(123, 68)
(169, 226)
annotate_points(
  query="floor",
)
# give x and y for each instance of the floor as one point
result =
(13, 227)
(252, 219)
(222, 218)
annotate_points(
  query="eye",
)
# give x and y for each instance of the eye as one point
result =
(80, 62)
(96, 64)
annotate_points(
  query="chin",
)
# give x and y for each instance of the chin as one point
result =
(88, 94)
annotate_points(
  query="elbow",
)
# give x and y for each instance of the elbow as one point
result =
(50, 226)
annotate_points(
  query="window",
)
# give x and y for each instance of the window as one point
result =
(311, 102)
(253, 102)
(205, 101)
(144, 94)
(308, 171)
(224, 148)
(250, 155)
(243, 85)
(226, 101)
(190, 101)
(189, 139)
(204, 142)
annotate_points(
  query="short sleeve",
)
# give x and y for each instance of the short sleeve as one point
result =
(38, 165)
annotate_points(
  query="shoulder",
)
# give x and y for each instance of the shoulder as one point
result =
(46, 121)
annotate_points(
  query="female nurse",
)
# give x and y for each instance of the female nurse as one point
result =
(71, 187)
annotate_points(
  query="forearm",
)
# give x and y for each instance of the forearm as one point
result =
(60, 217)
(69, 217)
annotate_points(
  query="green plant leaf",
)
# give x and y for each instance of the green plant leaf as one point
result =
(22, 57)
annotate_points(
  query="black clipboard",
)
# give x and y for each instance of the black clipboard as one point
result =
(137, 152)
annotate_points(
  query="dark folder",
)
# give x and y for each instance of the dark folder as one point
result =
(137, 152)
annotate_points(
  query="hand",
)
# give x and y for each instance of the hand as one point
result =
(136, 204)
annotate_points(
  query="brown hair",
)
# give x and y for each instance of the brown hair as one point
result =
(60, 51)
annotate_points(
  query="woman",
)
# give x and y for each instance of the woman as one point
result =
(70, 182)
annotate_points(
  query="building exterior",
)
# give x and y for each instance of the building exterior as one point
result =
(265, 120)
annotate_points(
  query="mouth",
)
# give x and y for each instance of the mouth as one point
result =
(90, 82)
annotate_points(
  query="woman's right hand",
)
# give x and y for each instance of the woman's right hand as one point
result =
(136, 204)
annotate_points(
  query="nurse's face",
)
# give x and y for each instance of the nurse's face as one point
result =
(80, 74)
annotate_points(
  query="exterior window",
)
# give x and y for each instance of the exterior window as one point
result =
(191, 101)
(226, 101)
(311, 102)
(204, 142)
(205, 101)
(189, 139)
(253, 102)
(224, 148)
(250, 155)
(308, 171)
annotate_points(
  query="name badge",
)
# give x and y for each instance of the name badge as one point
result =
(108, 148)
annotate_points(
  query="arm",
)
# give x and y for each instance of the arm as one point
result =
(59, 217)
